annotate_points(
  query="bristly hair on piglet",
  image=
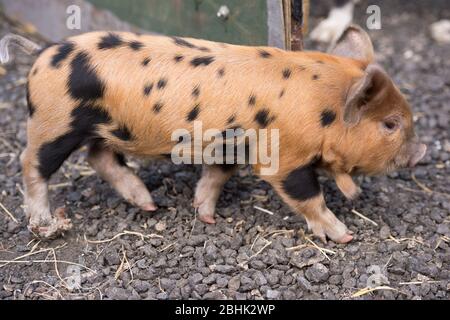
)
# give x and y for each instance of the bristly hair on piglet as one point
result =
(26, 45)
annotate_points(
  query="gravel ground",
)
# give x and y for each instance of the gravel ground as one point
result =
(248, 254)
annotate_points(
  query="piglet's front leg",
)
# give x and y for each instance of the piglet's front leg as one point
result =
(301, 190)
(347, 186)
(323, 222)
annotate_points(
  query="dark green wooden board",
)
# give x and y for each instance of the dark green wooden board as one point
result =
(247, 23)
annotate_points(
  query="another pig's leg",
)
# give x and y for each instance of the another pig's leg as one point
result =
(209, 187)
(347, 186)
(301, 190)
(112, 168)
(340, 16)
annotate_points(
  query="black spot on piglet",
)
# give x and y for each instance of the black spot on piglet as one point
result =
(64, 50)
(221, 72)
(193, 114)
(202, 61)
(178, 58)
(162, 83)
(286, 73)
(31, 106)
(110, 41)
(146, 61)
(264, 54)
(83, 83)
(231, 119)
(120, 158)
(157, 107)
(183, 43)
(301, 184)
(263, 118)
(252, 100)
(148, 89)
(196, 91)
(85, 119)
(136, 45)
(123, 133)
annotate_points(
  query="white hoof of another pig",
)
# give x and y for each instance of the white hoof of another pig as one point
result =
(58, 225)
(330, 29)
(324, 32)
(440, 31)
(327, 225)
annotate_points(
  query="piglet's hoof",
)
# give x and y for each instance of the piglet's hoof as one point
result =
(205, 211)
(56, 227)
(353, 194)
(150, 207)
(345, 238)
(207, 219)
(327, 225)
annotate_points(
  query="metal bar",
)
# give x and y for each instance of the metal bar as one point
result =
(275, 23)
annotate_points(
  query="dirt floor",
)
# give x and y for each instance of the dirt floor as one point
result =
(116, 251)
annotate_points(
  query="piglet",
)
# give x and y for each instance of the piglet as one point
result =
(122, 93)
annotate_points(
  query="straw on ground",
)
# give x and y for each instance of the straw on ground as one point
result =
(8, 213)
(364, 217)
(124, 233)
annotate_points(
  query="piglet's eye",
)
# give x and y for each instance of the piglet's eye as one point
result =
(390, 125)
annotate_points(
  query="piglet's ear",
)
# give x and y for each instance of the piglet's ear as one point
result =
(354, 43)
(365, 93)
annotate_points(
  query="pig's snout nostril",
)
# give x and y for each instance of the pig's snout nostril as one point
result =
(418, 154)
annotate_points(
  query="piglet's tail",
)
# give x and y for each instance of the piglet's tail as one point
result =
(26, 45)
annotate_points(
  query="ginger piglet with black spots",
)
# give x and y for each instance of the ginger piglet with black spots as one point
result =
(122, 93)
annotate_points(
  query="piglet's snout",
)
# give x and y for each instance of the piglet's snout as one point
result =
(418, 152)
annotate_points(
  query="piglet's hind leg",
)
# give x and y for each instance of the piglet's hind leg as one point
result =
(112, 168)
(208, 189)
(37, 207)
